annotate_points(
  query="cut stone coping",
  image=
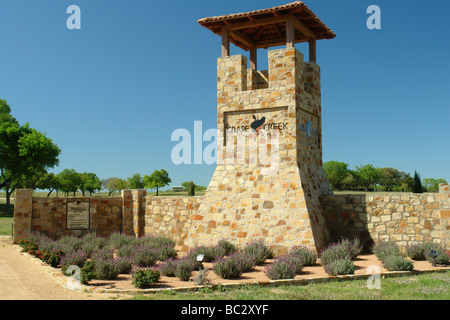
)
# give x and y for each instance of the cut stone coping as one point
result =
(61, 278)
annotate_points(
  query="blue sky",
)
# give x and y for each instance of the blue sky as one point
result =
(111, 94)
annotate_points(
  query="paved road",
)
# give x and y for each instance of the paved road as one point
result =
(22, 279)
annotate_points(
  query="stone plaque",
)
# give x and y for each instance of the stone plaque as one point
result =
(77, 214)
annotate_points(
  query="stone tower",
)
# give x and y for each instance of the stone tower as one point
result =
(269, 175)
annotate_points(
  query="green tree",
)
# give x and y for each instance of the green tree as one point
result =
(135, 182)
(417, 186)
(114, 184)
(191, 188)
(90, 183)
(336, 173)
(350, 181)
(432, 185)
(389, 178)
(69, 180)
(50, 182)
(368, 176)
(406, 182)
(25, 153)
(186, 184)
(158, 179)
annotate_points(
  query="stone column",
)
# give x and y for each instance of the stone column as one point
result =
(444, 197)
(23, 209)
(127, 212)
(138, 203)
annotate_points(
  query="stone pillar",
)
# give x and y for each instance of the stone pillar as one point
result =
(127, 212)
(250, 198)
(444, 197)
(23, 209)
(138, 211)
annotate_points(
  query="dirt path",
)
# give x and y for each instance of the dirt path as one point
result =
(21, 279)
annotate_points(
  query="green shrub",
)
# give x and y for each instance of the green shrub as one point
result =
(52, 257)
(259, 250)
(143, 278)
(397, 263)
(340, 266)
(227, 268)
(309, 256)
(384, 249)
(29, 243)
(87, 272)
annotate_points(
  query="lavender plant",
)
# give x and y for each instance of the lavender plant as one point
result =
(77, 258)
(184, 268)
(168, 267)
(397, 263)
(227, 268)
(333, 252)
(340, 266)
(107, 268)
(145, 256)
(383, 249)
(309, 256)
(281, 268)
(260, 250)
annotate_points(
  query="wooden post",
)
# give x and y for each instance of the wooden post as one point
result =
(290, 32)
(253, 58)
(225, 42)
(312, 49)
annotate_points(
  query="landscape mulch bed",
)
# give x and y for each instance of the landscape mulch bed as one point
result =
(123, 282)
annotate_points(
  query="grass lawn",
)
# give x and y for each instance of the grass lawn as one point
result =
(433, 286)
(6, 219)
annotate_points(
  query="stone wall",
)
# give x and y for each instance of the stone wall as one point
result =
(400, 217)
(49, 215)
(172, 216)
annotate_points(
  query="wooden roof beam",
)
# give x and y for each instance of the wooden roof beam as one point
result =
(256, 23)
(302, 28)
(242, 38)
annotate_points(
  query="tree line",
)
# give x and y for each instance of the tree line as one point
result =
(69, 181)
(369, 178)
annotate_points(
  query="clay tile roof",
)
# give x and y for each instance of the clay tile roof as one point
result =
(267, 27)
